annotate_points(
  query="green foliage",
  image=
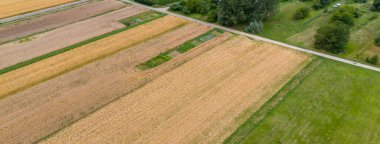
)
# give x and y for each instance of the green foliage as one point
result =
(164, 57)
(377, 41)
(376, 5)
(337, 103)
(332, 37)
(372, 60)
(254, 27)
(301, 13)
(233, 12)
(346, 14)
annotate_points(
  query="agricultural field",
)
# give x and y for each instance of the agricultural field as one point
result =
(220, 80)
(61, 18)
(340, 107)
(36, 45)
(113, 72)
(15, 7)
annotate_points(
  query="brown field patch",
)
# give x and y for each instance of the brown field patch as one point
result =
(14, 7)
(58, 19)
(36, 112)
(13, 53)
(198, 102)
(40, 71)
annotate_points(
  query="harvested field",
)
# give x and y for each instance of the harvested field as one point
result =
(198, 102)
(57, 19)
(59, 64)
(13, 53)
(34, 113)
(15, 7)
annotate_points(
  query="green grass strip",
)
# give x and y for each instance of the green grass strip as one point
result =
(164, 57)
(243, 131)
(36, 59)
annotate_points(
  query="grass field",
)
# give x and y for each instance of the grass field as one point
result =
(15, 7)
(336, 103)
(53, 66)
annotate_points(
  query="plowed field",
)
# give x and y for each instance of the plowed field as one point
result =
(56, 65)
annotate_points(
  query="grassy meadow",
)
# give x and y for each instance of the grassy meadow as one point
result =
(334, 103)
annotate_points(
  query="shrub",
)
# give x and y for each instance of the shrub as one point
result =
(146, 2)
(377, 41)
(176, 7)
(301, 13)
(254, 27)
(332, 37)
(372, 60)
(376, 5)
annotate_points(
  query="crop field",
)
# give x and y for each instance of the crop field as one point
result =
(16, 52)
(221, 84)
(69, 97)
(121, 73)
(53, 66)
(14, 7)
(340, 107)
(57, 19)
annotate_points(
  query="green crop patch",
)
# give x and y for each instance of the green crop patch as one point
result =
(168, 55)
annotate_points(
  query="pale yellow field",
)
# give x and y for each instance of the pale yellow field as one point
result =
(14, 7)
(56, 65)
(202, 101)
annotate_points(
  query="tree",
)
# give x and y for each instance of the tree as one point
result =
(377, 41)
(233, 12)
(301, 13)
(376, 5)
(332, 37)
(346, 14)
(254, 27)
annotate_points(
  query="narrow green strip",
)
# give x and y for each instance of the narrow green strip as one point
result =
(168, 55)
(243, 131)
(36, 59)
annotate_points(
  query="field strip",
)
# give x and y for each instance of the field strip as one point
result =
(195, 103)
(53, 66)
(58, 19)
(244, 130)
(58, 102)
(15, 7)
(15, 53)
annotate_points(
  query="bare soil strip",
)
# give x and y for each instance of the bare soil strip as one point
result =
(16, 52)
(35, 73)
(50, 106)
(198, 102)
(14, 7)
(57, 19)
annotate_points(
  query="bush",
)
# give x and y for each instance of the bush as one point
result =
(176, 7)
(377, 41)
(146, 2)
(254, 27)
(301, 13)
(212, 16)
(372, 60)
(186, 10)
(332, 37)
(376, 5)
(346, 14)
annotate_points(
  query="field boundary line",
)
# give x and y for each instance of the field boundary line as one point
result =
(243, 131)
(51, 54)
(40, 11)
(357, 64)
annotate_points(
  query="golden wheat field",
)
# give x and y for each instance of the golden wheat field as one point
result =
(56, 65)
(14, 7)
(198, 102)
